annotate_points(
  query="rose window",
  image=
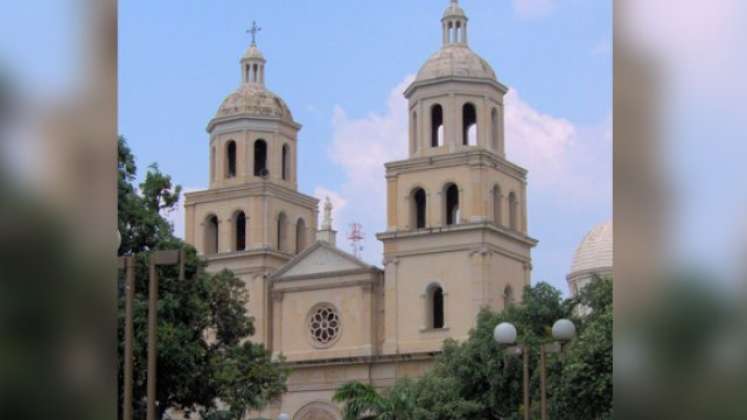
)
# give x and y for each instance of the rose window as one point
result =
(324, 325)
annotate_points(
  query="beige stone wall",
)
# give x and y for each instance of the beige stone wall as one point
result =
(310, 388)
(452, 96)
(354, 298)
(262, 209)
(275, 135)
(475, 185)
(472, 263)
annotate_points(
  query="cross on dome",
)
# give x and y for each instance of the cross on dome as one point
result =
(254, 30)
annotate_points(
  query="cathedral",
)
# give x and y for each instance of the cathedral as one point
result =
(455, 240)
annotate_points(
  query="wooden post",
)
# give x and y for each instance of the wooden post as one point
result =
(129, 294)
(527, 406)
(165, 257)
(543, 397)
(152, 325)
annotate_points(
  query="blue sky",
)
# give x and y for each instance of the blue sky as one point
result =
(341, 67)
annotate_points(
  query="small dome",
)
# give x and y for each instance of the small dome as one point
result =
(254, 100)
(594, 254)
(253, 52)
(455, 60)
(454, 11)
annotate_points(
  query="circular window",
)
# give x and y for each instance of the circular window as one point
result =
(324, 325)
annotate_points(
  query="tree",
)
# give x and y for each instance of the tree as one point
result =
(204, 354)
(427, 398)
(583, 386)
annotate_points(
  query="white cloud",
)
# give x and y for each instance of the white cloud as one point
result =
(533, 8)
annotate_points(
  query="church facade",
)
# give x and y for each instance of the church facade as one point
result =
(456, 236)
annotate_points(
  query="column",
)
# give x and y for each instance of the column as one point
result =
(277, 322)
(391, 299)
(392, 199)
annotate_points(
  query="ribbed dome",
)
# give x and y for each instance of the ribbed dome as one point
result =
(253, 99)
(455, 60)
(594, 254)
(253, 52)
(454, 10)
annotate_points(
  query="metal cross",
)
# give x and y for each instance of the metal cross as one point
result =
(253, 30)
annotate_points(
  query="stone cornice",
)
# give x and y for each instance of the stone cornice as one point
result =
(251, 117)
(321, 286)
(600, 271)
(462, 227)
(326, 275)
(375, 359)
(258, 188)
(446, 79)
(474, 157)
(267, 251)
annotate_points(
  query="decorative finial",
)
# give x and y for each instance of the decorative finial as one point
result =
(327, 221)
(253, 30)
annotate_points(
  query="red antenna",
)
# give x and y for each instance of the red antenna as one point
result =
(355, 237)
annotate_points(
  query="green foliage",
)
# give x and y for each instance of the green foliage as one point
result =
(193, 371)
(427, 398)
(583, 386)
(478, 379)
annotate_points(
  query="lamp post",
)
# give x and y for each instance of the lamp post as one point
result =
(505, 334)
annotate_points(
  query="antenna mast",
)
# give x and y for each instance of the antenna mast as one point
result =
(355, 237)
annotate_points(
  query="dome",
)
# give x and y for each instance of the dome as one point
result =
(253, 52)
(455, 60)
(594, 254)
(253, 99)
(454, 10)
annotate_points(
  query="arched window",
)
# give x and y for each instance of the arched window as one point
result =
(231, 159)
(494, 129)
(497, 205)
(418, 208)
(458, 32)
(285, 163)
(469, 125)
(239, 221)
(212, 163)
(437, 126)
(260, 158)
(451, 194)
(211, 235)
(508, 296)
(282, 231)
(414, 125)
(451, 32)
(300, 236)
(435, 307)
(513, 221)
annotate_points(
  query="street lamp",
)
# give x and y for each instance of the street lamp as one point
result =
(563, 330)
(505, 334)
(284, 416)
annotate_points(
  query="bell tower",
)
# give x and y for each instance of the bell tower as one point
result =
(456, 238)
(251, 219)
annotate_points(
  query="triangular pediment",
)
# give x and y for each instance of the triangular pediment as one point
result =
(320, 258)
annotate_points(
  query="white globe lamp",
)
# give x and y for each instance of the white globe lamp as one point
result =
(563, 330)
(284, 416)
(505, 333)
